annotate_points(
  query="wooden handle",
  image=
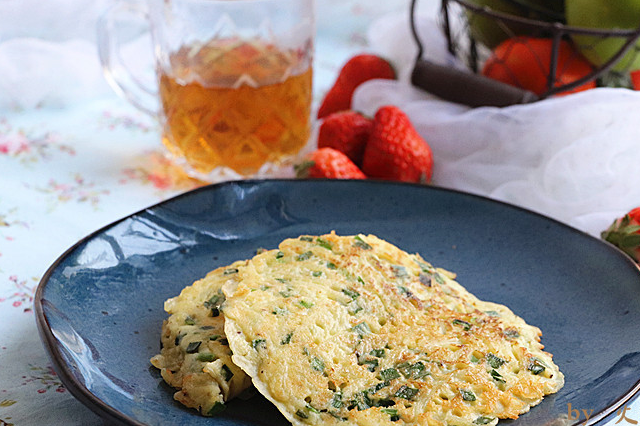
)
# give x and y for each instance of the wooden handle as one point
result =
(465, 87)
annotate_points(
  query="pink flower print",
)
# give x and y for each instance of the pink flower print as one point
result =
(160, 172)
(46, 377)
(78, 190)
(30, 148)
(14, 144)
(23, 294)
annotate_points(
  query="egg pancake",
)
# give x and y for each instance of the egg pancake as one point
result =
(351, 330)
(195, 357)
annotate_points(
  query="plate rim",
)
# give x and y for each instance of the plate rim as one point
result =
(111, 414)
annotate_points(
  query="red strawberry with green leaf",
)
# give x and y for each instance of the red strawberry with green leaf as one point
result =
(346, 131)
(395, 150)
(356, 71)
(328, 163)
(624, 233)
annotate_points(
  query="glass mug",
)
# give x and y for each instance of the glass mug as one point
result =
(234, 80)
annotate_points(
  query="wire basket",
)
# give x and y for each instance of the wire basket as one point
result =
(473, 31)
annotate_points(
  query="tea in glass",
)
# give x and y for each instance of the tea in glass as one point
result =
(234, 80)
(235, 103)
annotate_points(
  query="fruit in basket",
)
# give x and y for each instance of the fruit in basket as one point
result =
(525, 62)
(635, 80)
(356, 71)
(328, 163)
(605, 14)
(395, 150)
(346, 131)
(491, 31)
(624, 233)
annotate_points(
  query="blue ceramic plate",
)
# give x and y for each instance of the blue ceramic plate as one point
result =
(100, 306)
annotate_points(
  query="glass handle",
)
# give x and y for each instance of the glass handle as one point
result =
(118, 75)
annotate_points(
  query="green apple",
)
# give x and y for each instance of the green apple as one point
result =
(605, 14)
(490, 31)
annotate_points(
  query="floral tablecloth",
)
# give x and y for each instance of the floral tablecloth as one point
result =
(74, 157)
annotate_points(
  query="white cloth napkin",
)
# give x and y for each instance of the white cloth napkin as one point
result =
(574, 158)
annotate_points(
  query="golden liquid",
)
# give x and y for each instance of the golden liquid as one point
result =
(235, 103)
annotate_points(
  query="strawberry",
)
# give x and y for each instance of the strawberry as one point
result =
(346, 131)
(635, 79)
(356, 71)
(395, 150)
(624, 233)
(328, 163)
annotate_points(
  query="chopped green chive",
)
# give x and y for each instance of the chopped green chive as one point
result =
(312, 408)
(279, 311)
(413, 371)
(258, 344)
(351, 293)
(354, 307)
(465, 325)
(206, 357)
(392, 412)
(305, 304)
(371, 364)
(193, 347)
(286, 293)
(302, 414)
(226, 372)
(279, 255)
(497, 377)
(495, 361)
(306, 238)
(359, 242)
(361, 328)
(331, 265)
(405, 291)
(511, 333)
(317, 364)
(378, 353)
(189, 321)
(286, 339)
(361, 401)
(324, 243)
(224, 342)
(536, 366)
(230, 271)
(467, 395)
(178, 339)
(214, 337)
(217, 408)
(361, 281)
(336, 401)
(304, 256)
(316, 273)
(389, 374)
(425, 279)
(214, 301)
(483, 420)
(379, 386)
(406, 392)
(400, 271)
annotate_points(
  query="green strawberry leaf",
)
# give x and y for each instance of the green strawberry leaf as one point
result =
(630, 241)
